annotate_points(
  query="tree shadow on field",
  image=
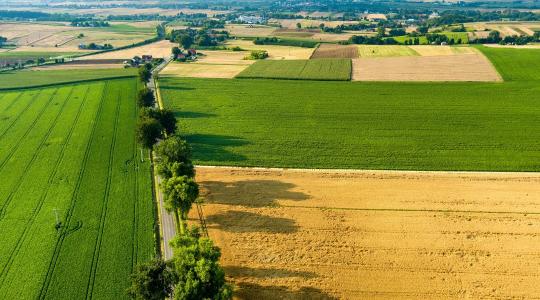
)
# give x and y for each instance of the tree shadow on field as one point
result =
(241, 221)
(238, 271)
(250, 193)
(192, 115)
(213, 148)
(260, 292)
(178, 88)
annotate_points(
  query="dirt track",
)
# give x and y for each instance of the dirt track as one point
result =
(375, 234)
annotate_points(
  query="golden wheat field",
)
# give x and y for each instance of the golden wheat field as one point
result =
(297, 234)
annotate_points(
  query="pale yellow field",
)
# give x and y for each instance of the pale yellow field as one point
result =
(463, 67)
(429, 50)
(159, 49)
(241, 30)
(375, 234)
(202, 70)
(275, 52)
(214, 64)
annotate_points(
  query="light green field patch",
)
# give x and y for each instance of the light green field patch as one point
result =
(310, 69)
(385, 51)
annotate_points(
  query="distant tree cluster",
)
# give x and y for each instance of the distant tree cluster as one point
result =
(371, 40)
(89, 23)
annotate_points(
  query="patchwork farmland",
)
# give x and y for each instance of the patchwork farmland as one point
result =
(311, 124)
(68, 154)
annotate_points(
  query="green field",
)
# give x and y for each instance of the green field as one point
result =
(30, 78)
(313, 69)
(72, 149)
(408, 126)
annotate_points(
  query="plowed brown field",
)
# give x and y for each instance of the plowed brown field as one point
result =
(335, 51)
(297, 234)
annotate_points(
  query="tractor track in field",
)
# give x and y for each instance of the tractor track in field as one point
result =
(103, 217)
(135, 226)
(22, 112)
(37, 210)
(40, 146)
(75, 194)
(13, 101)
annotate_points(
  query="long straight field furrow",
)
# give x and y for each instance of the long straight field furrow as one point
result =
(59, 159)
(103, 214)
(68, 218)
(117, 227)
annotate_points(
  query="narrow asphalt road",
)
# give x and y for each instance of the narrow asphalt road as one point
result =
(167, 225)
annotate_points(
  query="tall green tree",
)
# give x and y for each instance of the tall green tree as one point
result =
(149, 130)
(167, 120)
(180, 193)
(146, 98)
(153, 280)
(145, 74)
(174, 158)
(185, 41)
(196, 261)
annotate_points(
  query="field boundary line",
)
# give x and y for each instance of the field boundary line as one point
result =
(414, 210)
(376, 171)
(136, 168)
(67, 82)
(44, 195)
(103, 217)
(56, 252)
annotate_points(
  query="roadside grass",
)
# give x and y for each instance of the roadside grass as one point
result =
(32, 78)
(72, 149)
(312, 69)
(405, 126)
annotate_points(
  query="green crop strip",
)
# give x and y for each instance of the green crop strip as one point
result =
(55, 149)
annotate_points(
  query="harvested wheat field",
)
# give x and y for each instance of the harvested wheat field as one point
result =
(249, 30)
(335, 51)
(274, 51)
(429, 50)
(293, 234)
(466, 67)
(214, 64)
(157, 49)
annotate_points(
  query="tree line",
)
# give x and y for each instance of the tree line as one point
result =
(194, 271)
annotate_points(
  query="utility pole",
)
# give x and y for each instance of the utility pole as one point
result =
(58, 223)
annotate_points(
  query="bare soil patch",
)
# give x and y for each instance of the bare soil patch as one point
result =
(465, 67)
(294, 234)
(335, 51)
